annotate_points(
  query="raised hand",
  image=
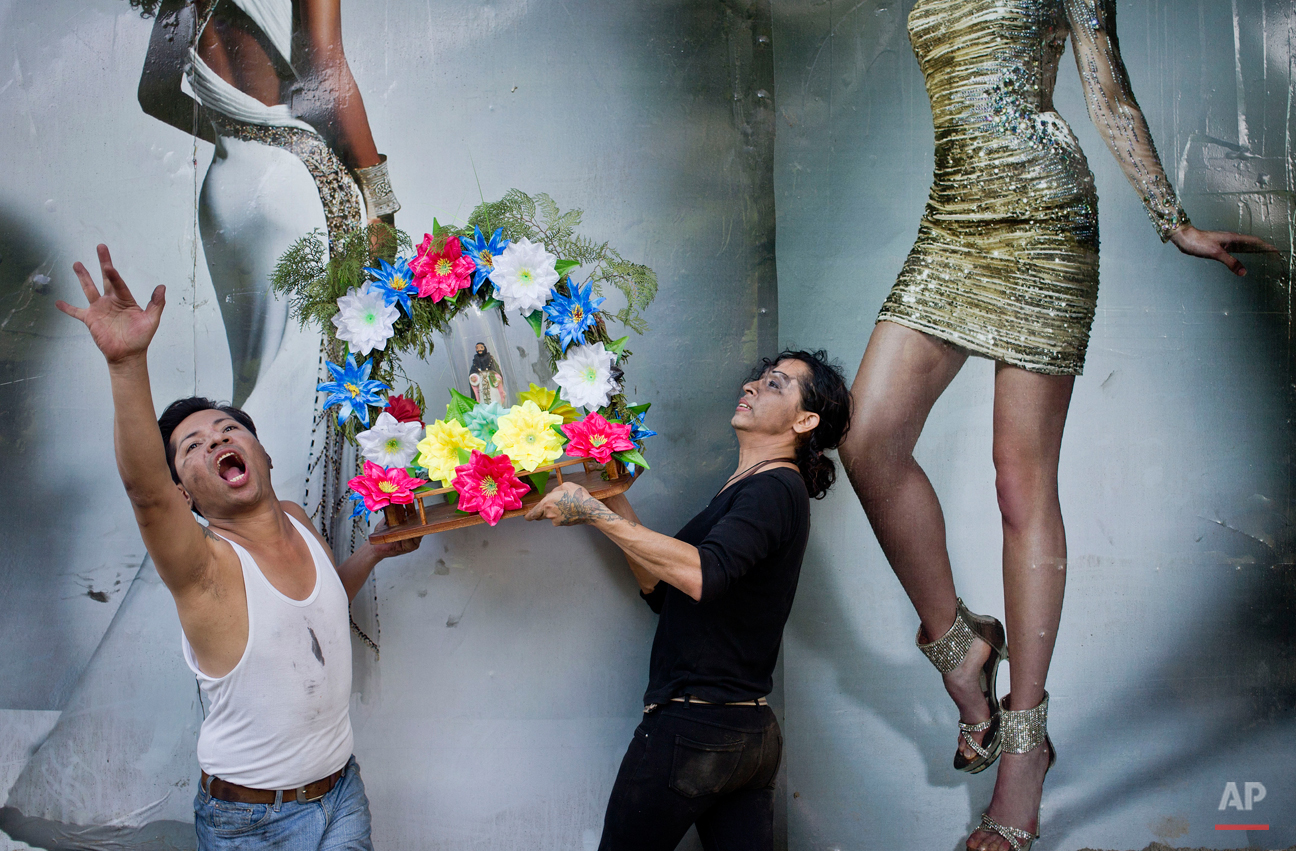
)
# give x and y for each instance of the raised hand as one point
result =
(119, 326)
(1216, 245)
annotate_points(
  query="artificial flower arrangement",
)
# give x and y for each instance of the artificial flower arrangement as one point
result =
(378, 297)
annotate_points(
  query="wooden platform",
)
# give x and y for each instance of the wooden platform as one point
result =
(404, 521)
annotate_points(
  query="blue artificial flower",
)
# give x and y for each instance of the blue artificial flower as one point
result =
(639, 431)
(483, 252)
(570, 317)
(396, 283)
(352, 390)
(360, 509)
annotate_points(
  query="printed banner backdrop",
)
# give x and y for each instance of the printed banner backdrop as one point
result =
(1174, 672)
(512, 660)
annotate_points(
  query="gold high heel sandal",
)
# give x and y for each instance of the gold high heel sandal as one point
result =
(947, 653)
(1023, 731)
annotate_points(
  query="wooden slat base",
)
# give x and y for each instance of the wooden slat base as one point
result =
(443, 517)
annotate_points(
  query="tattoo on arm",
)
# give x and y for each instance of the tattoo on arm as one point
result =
(573, 510)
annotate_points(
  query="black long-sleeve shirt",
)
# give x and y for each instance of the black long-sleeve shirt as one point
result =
(723, 648)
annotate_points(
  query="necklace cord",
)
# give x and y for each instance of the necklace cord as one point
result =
(743, 474)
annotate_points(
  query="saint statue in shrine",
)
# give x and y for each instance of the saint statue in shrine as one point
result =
(485, 378)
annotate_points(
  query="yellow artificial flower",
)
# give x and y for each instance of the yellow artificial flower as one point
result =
(439, 451)
(526, 436)
(544, 397)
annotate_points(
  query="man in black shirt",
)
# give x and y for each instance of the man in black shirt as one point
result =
(708, 749)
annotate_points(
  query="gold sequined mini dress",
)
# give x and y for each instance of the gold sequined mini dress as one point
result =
(1006, 261)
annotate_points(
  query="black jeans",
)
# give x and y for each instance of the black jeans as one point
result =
(695, 763)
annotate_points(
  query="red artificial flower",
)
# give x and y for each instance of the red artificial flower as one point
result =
(488, 486)
(594, 437)
(404, 410)
(383, 486)
(441, 274)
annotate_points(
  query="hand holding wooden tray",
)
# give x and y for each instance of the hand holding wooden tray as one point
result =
(418, 519)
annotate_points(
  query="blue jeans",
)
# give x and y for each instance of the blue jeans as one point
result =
(337, 822)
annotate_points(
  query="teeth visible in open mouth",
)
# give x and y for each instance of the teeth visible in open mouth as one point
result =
(230, 462)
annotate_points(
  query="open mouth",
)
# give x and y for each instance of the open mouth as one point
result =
(231, 467)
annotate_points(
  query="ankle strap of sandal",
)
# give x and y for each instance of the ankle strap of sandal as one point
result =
(949, 651)
(1024, 729)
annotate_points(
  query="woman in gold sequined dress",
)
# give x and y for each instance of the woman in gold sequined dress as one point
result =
(1005, 267)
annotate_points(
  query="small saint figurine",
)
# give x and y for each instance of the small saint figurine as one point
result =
(485, 378)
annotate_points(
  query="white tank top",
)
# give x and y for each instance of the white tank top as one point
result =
(281, 718)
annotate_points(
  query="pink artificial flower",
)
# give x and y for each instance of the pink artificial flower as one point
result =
(404, 410)
(594, 437)
(489, 486)
(383, 486)
(441, 274)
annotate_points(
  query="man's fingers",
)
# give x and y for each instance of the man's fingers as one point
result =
(157, 301)
(106, 270)
(74, 312)
(87, 283)
(110, 276)
(105, 261)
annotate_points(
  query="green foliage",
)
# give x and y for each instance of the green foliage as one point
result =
(639, 285)
(458, 406)
(631, 456)
(412, 391)
(539, 219)
(536, 320)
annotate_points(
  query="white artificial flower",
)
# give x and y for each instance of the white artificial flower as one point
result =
(524, 275)
(390, 443)
(364, 319)
(585, 375)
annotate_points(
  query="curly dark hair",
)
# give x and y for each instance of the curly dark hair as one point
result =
(179, 410)
(827, 395)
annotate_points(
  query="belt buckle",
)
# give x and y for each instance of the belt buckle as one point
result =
(301, 795)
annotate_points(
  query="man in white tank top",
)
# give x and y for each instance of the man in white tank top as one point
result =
(263, 608)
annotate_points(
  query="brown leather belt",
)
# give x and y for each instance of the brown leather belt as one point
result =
(222, 790)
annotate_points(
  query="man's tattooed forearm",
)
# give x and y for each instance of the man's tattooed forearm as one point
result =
(574, 509)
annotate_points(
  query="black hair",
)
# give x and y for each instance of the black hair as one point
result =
(181, 409)
(825, 394)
